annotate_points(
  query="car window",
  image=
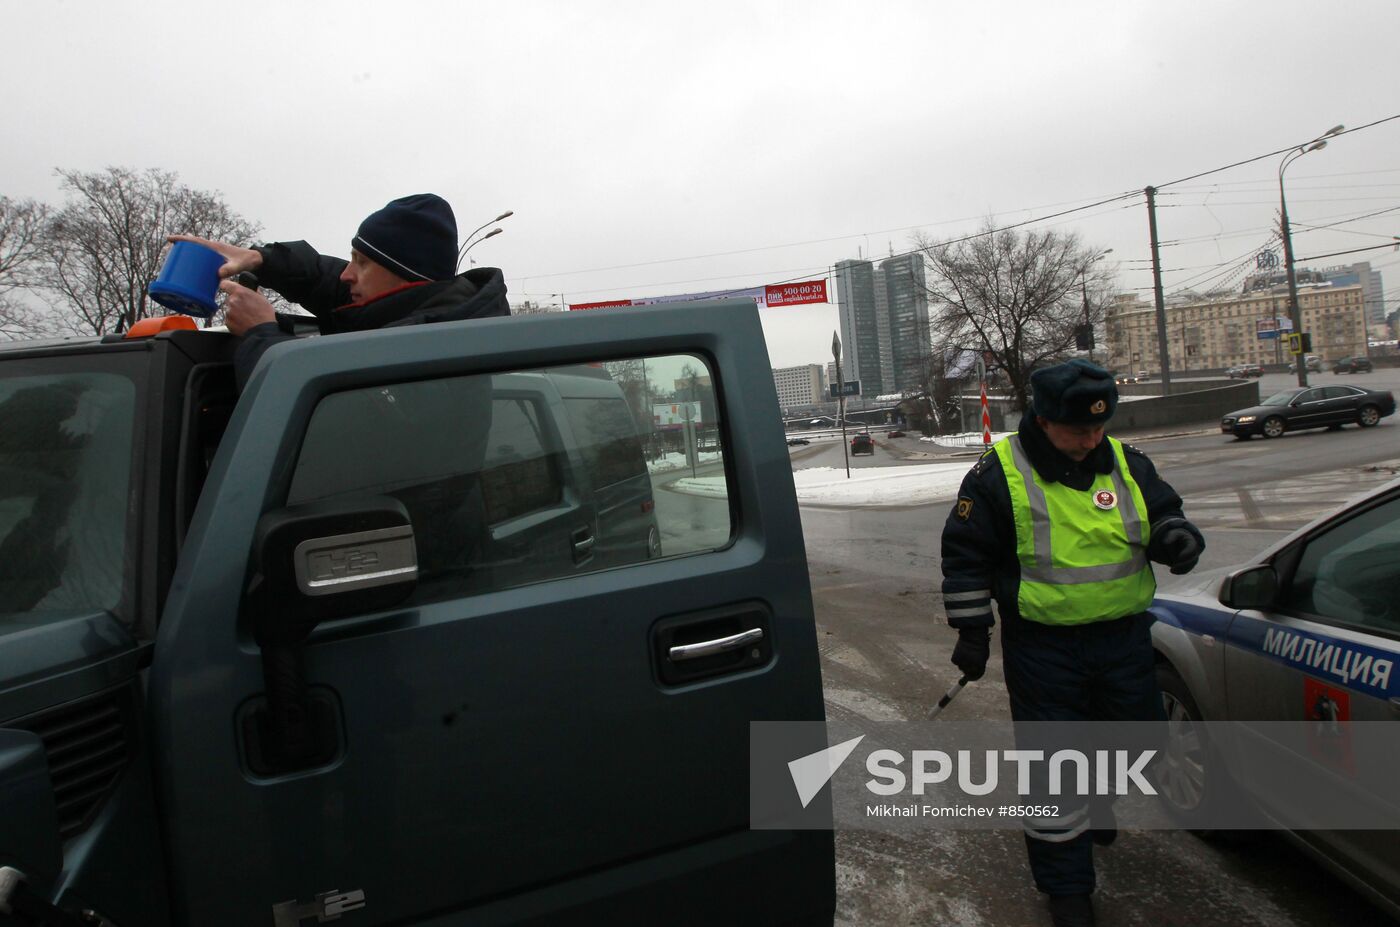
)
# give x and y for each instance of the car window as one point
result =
(1280, 399)
(1339, 392)
(530, 475)
(1350, 573)
(608, 438)
(66, 454)
(1311, 395)
(519, 475)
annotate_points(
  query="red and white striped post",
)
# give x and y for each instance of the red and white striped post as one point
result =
(986, 418)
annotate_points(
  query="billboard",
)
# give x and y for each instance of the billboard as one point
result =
(795, 294)
(778, 294)
(675, 415)
(607, 304)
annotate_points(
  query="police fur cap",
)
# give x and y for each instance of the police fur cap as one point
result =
(413, 236)
(1074, 393)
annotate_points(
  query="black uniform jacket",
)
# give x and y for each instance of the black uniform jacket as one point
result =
(312, 281)
(979, 537)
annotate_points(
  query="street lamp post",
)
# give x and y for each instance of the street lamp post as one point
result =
(468, 244)
(1295, 312)
(1084, 289)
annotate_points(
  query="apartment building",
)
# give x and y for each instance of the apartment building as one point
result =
(1216, 332)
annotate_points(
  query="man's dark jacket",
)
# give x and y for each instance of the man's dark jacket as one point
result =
(312, 281)
(979, 538)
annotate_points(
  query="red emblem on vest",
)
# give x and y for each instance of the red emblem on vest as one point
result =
(1105, 500)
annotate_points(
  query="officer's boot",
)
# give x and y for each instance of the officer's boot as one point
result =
(1071, 911)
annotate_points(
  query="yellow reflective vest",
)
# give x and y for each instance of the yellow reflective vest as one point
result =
(1083, 553)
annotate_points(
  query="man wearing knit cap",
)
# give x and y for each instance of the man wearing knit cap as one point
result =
(402, 271)
(1057, 524)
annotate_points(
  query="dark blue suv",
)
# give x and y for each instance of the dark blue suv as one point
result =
(453, 623)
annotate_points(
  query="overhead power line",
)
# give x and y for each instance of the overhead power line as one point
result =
(1272, 154)
(1129, 195)
(1318, 257)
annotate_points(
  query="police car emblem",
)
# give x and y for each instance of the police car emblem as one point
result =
(1105, 500)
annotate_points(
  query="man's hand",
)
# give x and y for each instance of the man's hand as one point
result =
(236, 259)
(244, 308)
(973, 649)
(1181, 549)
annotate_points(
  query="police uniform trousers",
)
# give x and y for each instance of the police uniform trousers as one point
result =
(1102, 671)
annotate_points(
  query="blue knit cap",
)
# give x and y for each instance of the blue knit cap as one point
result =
(1074, 393)
(413, 236)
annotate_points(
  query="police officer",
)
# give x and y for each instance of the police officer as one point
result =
(1057, 523)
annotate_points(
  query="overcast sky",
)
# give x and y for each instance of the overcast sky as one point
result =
(651, 148)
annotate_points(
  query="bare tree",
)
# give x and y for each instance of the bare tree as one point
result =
(21, 228)
(1016, 296)
(106, 244)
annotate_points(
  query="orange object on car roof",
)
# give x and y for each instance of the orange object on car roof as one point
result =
(150, 327)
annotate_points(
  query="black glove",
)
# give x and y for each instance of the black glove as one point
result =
(1181, 550)
(972, 652)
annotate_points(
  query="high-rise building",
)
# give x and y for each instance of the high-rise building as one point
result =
(908, 319)
(884, 323)
(800, 387)
(860, 333)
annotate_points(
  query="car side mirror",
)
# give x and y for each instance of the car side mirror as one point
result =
(313, 563)
(324, 560)
(1255, 587)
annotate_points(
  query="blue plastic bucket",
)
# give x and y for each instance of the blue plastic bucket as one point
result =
(188, 280)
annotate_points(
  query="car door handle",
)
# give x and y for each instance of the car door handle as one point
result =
(583, 540)
(719, 645)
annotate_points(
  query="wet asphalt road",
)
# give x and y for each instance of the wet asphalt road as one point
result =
(885, 649)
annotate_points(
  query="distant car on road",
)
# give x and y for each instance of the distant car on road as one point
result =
(1352, 365)
(1234, 652)
(862, 444)
(1315, 407)
(1240, 371)
(794, 442)
(1314, 364)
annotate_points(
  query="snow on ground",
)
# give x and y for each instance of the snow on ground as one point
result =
(972, 439)
(868, 486)
(676, 461)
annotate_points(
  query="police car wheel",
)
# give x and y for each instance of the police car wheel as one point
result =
(1185, 770)
(1273, 427)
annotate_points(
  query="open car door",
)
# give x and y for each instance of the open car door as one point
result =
(549, 719)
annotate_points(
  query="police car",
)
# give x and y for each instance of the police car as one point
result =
(1308, 632)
